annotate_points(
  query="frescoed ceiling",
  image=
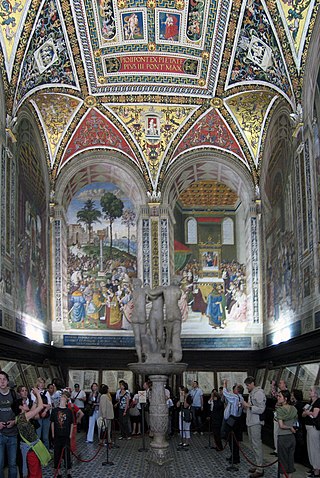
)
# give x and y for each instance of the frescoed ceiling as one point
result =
(153, 79)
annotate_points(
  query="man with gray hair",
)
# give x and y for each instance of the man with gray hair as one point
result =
(255, 408)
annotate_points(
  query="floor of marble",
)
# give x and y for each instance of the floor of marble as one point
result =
(198, 461)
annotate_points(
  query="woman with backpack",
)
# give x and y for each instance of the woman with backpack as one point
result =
(286, 416)
(44, 415)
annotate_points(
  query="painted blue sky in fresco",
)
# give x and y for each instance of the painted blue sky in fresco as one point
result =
(94, 191)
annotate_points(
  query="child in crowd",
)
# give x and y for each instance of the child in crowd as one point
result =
(62, 427)
(77, 415)
(185, 419)
(170, 409)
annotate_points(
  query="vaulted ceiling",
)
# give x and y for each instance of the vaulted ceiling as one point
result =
(153, 79)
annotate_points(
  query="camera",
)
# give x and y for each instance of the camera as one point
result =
(72, 400)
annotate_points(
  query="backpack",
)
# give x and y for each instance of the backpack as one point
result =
(45, 402)
(187, 415)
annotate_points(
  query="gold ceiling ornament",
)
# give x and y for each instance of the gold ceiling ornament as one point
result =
(201, 82)
(97, 53)
(179, 4)
(102, 80)
(90, 101)
(216, 102)
(151, 46)
(151, 4)
(205, 55)
(122, 4)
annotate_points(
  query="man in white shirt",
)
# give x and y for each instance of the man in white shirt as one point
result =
(255, 407)
(197, 406)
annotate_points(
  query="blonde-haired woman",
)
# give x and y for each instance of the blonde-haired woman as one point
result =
(44, 415)
(313, 435)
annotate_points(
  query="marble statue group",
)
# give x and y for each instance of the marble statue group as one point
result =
(157, 333)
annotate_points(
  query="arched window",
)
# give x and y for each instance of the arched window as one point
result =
(192, 231)
(227, 231)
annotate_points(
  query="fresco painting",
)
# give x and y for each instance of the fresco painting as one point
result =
(132, 26)
(257, 55)
(101, 258)
(195, 20)
(31, 265)
(169, 26)
(106, 19)
(213, 297)
(32, 239)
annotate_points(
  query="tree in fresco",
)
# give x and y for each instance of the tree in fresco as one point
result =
(128, 219)
(112, 208)
(89, 214)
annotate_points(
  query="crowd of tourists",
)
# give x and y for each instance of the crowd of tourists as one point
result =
(40, 424)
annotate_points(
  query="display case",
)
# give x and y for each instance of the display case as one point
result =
(272, 374)
(307, 376)
(85, 378)
(45, 372)
(259, 378)
(232, 378)
(30, 374)
(112, 377)
(55, 371)
(288, 374)
(205, 380)
(14, 371)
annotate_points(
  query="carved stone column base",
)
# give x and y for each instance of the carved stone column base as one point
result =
(158, 463)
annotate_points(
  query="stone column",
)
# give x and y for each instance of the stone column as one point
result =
(159, 461)
(159, 458)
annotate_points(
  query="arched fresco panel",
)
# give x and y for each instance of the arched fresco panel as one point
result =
(32, 241)
(101, 258)
(214, 281)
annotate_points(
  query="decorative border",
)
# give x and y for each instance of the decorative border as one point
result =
(13, 179)
(146, 251)
(58, 271)
(155, 252)
(164, 252)
(309, 193)
(204, 343)
(298, 209)
(3, 204)
(255, 269)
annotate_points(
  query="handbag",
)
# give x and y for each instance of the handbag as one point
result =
(231, 421)
(134, 411)
(89, 410)
(40, 450)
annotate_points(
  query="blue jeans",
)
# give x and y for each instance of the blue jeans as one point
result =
(43, 431)
(9, 443)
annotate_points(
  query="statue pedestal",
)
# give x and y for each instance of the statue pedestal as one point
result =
(158, 459)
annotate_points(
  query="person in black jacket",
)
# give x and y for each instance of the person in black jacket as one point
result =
(216, 416)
